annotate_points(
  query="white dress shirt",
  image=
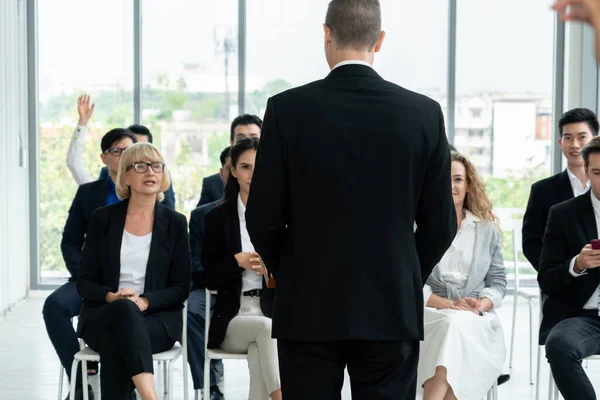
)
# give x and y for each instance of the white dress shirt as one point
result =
(250, 279)
(576, 184)
(592, 303)
(135, 251)
(75, 162)
(348, 62)
(456, 263)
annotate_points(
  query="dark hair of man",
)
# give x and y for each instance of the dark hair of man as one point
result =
(244, 119)
(240, 147)
(141, 130)
(577, 115)
(354, 24)
(114, 135)
(593, 147)
(224, 155)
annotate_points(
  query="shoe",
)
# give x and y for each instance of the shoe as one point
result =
(215, 393)
(79, 393)
(503, 379)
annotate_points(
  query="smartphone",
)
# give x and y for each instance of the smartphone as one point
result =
(595, 244)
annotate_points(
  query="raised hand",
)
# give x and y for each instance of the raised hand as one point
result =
(84, 109)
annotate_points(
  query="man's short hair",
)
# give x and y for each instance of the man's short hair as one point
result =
(354, 24)
(141, 130)
(592, 147)
(244, 119)
(577, 115)
(114, 135)
(224, 155)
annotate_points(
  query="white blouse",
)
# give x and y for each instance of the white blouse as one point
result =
(135, 251)
(250, 279)
(456, 263)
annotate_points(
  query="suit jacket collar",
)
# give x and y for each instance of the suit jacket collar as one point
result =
(565, 190)
(230, 208)
(587, 216)
(350, 70)
(160, 233)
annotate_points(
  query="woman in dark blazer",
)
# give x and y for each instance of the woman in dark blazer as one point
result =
(241, 322)
(134, 276)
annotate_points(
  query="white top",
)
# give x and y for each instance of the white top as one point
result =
(134, 260)
(592, 303)
(348, 62)
(576, 184)
(456, 263)
(250, 279)
(75, 162)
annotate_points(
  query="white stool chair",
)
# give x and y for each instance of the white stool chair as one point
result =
(167, 357)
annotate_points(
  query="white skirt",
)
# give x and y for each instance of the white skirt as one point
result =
(471, 347)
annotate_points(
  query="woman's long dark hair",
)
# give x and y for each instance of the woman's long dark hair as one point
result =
(240, 147)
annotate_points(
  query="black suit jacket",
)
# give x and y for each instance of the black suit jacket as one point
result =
(168, 272)
(212, 189)
(197, 234)
(221, 270)
(88, 198)
(571, 225)
(349, 265)
(544, 194)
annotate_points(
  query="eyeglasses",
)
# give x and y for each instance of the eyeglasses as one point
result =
(115, 151)
(141, 167)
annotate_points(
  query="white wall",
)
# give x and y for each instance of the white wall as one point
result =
(14, 181)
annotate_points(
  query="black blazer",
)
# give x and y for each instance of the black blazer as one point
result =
(197, 234)
(544, 194)
(88, 198)
(168, 272)
(571, 225)
(212, 189)
(221, 270)
(348, 164)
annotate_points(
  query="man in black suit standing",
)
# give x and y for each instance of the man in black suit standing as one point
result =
(349, 268)
(569, 276)
(576, 127)
(243, 126)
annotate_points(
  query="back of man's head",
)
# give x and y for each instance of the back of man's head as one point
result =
(244, 119)
(355, 24)
(593, 147)
(141, 130)
(113, 136)
(224, 155)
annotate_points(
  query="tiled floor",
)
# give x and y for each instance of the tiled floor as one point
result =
(29, 367)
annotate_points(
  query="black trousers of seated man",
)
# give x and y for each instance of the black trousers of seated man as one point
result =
(378, 370)
(568, 343)
(125, 338)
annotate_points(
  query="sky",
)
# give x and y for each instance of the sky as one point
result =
(501, 45)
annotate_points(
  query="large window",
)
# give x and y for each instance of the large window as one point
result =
(84, 47)
(190, 86)
(504, 95)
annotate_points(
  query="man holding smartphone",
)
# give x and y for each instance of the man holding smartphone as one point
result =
(569, 275)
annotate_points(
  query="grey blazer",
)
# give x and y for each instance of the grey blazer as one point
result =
(487, 277)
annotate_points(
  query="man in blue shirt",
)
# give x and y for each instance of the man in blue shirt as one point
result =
(65, 303)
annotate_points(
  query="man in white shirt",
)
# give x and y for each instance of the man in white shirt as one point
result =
(576, 127)
(569, 275)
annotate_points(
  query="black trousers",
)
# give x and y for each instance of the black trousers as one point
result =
(379, 370)
(126, 339)
(568, 343)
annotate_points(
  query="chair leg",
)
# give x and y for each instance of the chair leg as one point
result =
(196, 394)
(206, 387)
(170, 380)
(538, 372)
(530, 342)
(73, 379)
(165, 378)
(61, 377)
(495, 391)
(512, 333)
(84, 379)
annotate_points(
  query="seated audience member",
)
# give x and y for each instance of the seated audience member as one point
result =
(243, 126)
(241, 322)
(463, 335)
(576, 128)
(65, 302)
(197, 299)
(568, 275)
(135, 275)
(75, 162)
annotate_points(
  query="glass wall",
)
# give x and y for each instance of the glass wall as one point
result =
(84, 47)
